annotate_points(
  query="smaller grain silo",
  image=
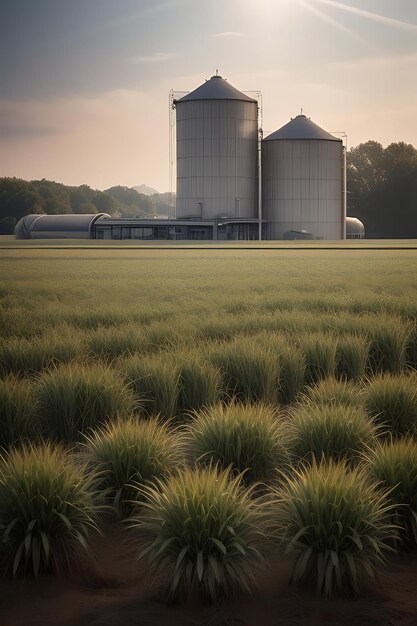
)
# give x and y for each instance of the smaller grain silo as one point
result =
(303, 182)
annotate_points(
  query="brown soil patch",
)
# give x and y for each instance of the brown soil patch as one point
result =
(115, 590)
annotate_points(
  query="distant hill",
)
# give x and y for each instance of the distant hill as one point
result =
(145, 190)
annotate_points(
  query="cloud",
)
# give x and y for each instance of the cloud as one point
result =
(25, 132)
(228, 34)
(16, 125)
(156, 57)
(393, 63)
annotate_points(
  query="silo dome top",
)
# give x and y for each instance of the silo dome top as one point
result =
(301, 127)
(217, 88)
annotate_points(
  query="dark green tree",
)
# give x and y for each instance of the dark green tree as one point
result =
(104, 202)
(55, 197)
(382, 185)
(81, 199)
(7, 225)
(130, 203)
(19, 198)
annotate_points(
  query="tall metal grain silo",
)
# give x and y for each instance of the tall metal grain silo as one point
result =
(217, 152)
(303, 182)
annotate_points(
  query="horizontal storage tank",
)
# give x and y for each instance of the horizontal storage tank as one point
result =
(217, 153)
(69, 226)
(303, 181)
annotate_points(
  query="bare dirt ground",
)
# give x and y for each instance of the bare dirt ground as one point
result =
(115, 590)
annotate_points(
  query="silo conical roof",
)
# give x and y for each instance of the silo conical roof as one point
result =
(301, 127)
(216, 88)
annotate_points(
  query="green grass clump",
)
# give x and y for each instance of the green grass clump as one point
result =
(216, 328)
(46, 510)
(250, 372)
(394, 465)
(392, 401)
(293, 373)
(337, 525)
(320, 355)
(250, 439)
(25, 357)
(74, 398)
(154, 379)
(15, 320)
(333, 391)
(389, 338)
(96, 318)
(291, 364)
(199, 382)
(161, 335)
(203, 530)
(18, 420)
(412, 347)
(129, 453)
(352, 355)
(295, 320)
(331, 431)
(111, 343)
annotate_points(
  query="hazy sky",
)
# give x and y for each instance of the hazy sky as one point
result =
(84, 83)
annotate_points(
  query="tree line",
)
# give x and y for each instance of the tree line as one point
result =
(382, 193)
(382, 189)
(19, 197)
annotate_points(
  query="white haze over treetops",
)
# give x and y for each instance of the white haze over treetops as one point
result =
(84, 84)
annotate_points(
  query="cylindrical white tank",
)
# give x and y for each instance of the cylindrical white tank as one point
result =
(354, 228)
(302, 182)
(217, 152)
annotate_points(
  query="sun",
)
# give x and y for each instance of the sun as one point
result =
(267, 7)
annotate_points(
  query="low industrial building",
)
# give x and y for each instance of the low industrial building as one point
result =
(105, 227)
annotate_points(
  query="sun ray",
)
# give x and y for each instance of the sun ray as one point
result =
(376, 17)
(306, 4)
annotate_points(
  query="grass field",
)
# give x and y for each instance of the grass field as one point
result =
(306, 352)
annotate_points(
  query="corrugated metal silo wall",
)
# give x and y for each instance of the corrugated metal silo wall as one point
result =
(302, 187)
(217, 158)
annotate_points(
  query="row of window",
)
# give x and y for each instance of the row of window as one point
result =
(225, 231)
